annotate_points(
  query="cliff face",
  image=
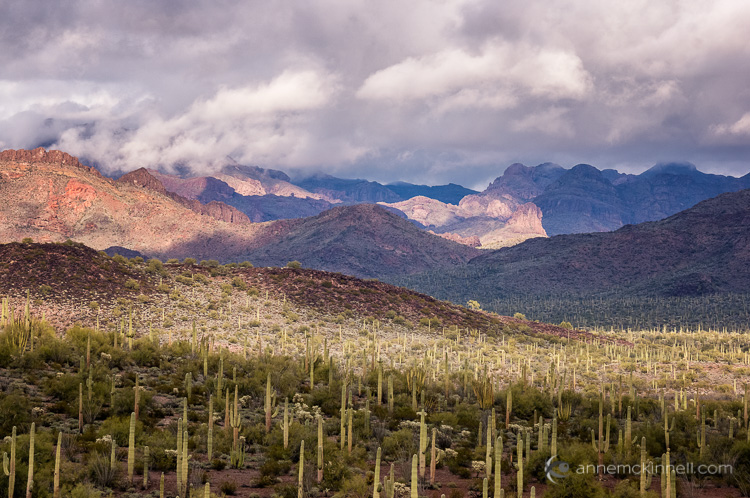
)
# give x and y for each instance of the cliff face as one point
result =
(496, 219)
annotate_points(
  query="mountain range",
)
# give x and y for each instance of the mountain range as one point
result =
(51, 197)
(702, 250)
(523, 203)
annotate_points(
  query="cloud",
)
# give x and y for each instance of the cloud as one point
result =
(266, 123)
(429, 91)
(739, 127)
(493, 77)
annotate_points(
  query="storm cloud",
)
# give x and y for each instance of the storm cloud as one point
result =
(427, 91)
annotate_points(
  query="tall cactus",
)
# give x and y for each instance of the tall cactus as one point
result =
(519, 474)
(210, 438)
(56, 482)
(301, 475)
(414, 484)
(30, 480)
(422, 443)
(498, 470)
(80, 407)
(11, 471)
(179, 456)
(286, 423)
(380, 383)
(269, 403)
(185, 458)
(131, 448)
(644, 480)
(376, 477)
(320, 449)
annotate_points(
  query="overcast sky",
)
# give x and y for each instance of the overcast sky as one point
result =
(423, 91)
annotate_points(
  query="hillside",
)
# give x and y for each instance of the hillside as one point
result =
(702, 250)
(364, 240)
(64, 278)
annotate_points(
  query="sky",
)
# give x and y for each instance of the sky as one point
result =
(427, 91)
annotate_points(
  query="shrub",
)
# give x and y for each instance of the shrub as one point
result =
(239, 283)
(85, 490)
(294, 264)
(228, 487)
(132, 284)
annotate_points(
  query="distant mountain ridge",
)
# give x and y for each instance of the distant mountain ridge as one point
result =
(702, 250)
(585, 199)
(524, 202)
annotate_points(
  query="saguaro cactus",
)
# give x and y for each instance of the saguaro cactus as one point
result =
(519, 474)
(433, 457)
(498, 471)
(11, 470)
(320, 449)
(376, 478)
(286, 423)
(210, 439)
(422, 443)
(131, 448)
(56, 482)
(301, 475)
(30, 480)
(270, 402)
(414, 483)
(644, 480)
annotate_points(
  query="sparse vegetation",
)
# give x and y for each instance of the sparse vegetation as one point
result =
(252, 374)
